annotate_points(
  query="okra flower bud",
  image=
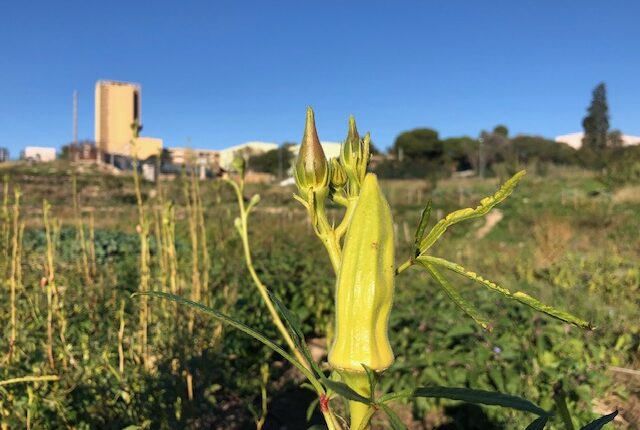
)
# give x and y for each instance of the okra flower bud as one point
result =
(239, 164)
(364, 289)
(338, 175)
(311, 170)
(354, 156)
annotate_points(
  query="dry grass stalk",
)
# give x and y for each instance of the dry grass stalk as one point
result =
(193, 236)
(143, 232)
(121, 338)
(13, 279)
(206, 263)
(80, 232)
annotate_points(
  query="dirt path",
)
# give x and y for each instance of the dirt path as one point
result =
(492, 218)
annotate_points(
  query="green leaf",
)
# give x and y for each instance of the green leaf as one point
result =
(373, 379)
(317, 427)
(453, 294)
(485, 206)
(236, 324)
(600, 422)
(295, 330)
(345, 391)
(424, 220)
(482, 397)
(518, 295)
(311, 408)
(394, 419)
(538, 424)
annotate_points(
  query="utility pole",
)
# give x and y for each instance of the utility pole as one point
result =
(74, 145)
(481, 158)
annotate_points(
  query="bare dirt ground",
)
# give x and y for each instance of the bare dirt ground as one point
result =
(492, 218)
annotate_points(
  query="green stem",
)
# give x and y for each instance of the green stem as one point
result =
(43, 378)
(561, 403)
(331, 420)
(262, 289)
(360, 413)
(327, 234)
(346, 220)
(404, 266)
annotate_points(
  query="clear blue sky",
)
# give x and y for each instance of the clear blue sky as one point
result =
(225, 72)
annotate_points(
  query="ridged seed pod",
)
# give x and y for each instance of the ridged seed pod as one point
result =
(364, 290)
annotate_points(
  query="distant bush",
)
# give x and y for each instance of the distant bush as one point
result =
(622, 166)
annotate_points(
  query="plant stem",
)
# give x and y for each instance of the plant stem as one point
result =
(561, 403)
(80, 231)
(360, 413)
(346, 220)
(14, 269)
(404, 266)
(143, 233)
(29, 379)
(262, 289)
(327, 234)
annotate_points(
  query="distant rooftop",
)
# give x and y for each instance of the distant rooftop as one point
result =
(112, 82)
(574, 140)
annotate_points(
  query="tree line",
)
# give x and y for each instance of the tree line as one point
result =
(422, 153)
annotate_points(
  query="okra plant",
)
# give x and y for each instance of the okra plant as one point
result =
(361, 251)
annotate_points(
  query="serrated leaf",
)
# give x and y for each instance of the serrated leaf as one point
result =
(345, 391)
(233, 323)
(600, 422)
(481, 397)
(453, 294)
(422, 225)
(518, 295)
(394, 419)
(485, 206)
(538, 424)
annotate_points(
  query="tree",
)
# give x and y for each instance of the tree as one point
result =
(501, 130)
(615, 139)
(494, 148)
(596, 123)
(461, 152)
(419, 143)
(277, 161)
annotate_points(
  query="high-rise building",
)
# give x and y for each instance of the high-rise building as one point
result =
(117, 109)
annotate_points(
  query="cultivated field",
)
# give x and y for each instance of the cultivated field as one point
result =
(95, 357)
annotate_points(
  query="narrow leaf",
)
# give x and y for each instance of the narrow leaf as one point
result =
(234, 323)
(481, 397)
(518, 295)
(294, 328)
(424, 220)
(312, 408)
(394, 419)
(372, 377)
(600, 422)
(538, 424)
(345, 391)
(453, 294)
(485, 206)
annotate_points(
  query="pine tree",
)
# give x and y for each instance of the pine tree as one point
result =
(596, 123)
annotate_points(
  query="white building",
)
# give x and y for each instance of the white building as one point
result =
(245, 150)
(574, 140)
(182, 156)
(38, 153)
(226, 156)
(331, 149)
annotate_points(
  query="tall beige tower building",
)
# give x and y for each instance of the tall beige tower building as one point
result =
(117, 108)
